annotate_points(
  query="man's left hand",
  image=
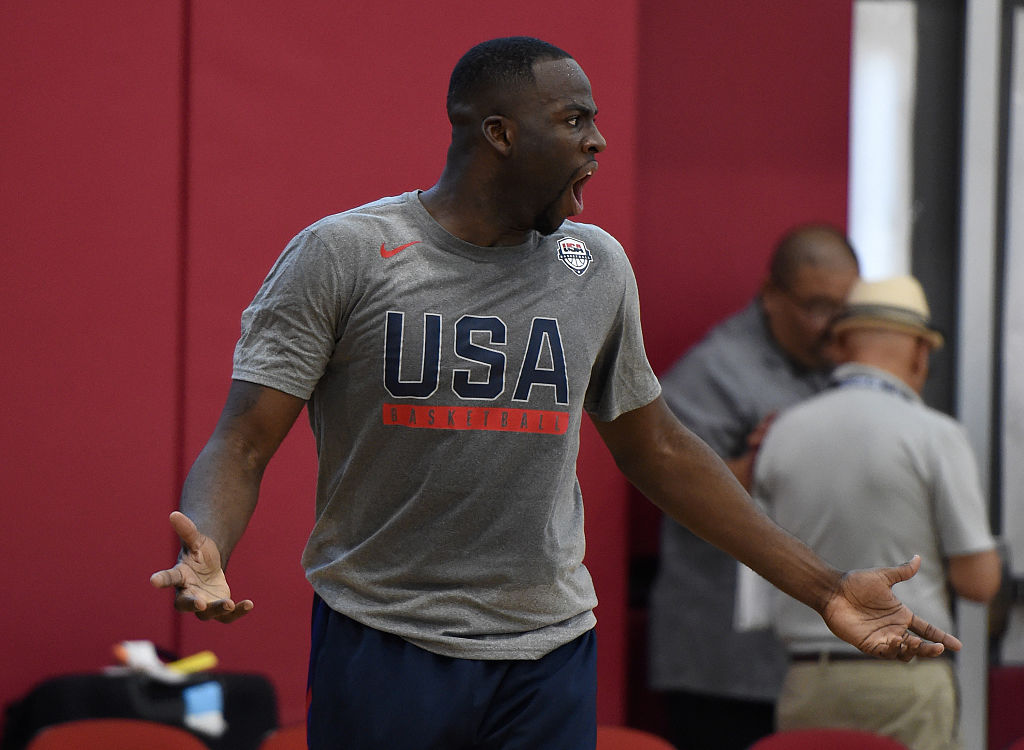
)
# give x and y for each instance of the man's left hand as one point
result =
(864, 611)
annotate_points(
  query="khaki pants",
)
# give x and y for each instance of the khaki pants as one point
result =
(915, 703)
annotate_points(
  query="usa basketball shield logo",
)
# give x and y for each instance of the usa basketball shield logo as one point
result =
(574, 254)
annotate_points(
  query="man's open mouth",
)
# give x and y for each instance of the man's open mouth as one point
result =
(577, 187)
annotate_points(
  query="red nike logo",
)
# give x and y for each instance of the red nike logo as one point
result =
(385, 253)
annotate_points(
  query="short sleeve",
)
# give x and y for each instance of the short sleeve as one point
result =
(960, 511)
(621, 379)
(290, 329)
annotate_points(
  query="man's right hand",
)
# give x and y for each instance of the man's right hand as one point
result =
(742, 466)
(198, 579)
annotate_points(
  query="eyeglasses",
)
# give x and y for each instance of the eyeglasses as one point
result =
(817, 308)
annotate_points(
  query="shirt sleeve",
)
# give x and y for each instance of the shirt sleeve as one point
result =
(960, 511)
(622, 379)
(290, 329)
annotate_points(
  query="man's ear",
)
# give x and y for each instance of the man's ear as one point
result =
(499, 132)
(769, 295)
(922, 356)
(839, 346)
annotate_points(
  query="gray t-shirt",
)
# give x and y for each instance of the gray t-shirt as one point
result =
(445, 386)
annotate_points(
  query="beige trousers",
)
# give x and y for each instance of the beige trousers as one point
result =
(915, 703)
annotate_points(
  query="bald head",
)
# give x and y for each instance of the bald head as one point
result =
(816, 246)
(899, 353)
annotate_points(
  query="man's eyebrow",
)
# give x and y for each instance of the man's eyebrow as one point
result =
(575, 106)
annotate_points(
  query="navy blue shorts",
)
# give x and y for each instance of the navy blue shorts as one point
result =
(369, 689)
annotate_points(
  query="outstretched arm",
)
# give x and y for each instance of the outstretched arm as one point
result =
(220, 495)
(684, 477)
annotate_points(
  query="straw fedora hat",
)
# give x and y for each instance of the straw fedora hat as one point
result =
(896, 304)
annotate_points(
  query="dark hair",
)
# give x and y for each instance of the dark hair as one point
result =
(505, 63)
(807, 245)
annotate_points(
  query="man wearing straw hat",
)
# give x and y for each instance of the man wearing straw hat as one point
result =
(866, 471)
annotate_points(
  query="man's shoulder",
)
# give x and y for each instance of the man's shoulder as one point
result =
(809, 410)
(739, 337)
(942, 426)
(746, 324)
(598, 238)
(732, 357)
(354, 229)
(908, 414)
(590, 246)
(393, 206)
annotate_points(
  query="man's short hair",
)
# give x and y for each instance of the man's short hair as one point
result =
(498, 65)
(808, 245)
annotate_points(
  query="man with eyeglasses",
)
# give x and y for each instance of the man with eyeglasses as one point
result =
(727, 388)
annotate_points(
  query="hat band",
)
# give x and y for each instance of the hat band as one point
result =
(887, 312)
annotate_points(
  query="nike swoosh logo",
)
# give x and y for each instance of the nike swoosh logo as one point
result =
(385, 253)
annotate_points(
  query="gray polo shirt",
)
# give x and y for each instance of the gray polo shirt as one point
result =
(866, 474)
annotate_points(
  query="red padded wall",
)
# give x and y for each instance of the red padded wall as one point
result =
(720, 132)
(742, 132)
(88, 300)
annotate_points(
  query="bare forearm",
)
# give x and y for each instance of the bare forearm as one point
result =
(977, 576)
(741, 468)
(680, 474)
(694, 487)
(221, 491)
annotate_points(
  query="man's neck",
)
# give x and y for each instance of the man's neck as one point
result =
(468, 214)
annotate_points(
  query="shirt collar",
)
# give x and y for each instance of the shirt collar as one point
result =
(853, 372)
